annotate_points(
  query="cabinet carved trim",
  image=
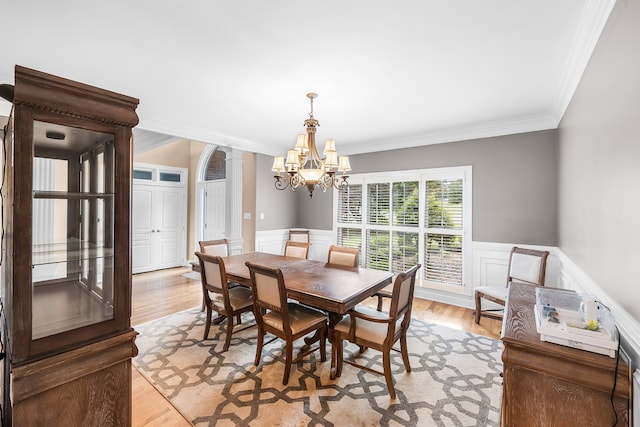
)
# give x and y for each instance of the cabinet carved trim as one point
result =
(55, 94)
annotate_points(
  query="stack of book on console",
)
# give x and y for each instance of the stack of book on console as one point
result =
(579, 321)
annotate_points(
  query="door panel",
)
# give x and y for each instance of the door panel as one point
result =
(215, 210)
(159, 227)
(141, 223)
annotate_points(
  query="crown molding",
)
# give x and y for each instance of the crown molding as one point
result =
(476, 131)
(198, 134)
(595, 14)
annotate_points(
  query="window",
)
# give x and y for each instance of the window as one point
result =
(401, 219)
(216, 166)
(170, 177)
(146, 175)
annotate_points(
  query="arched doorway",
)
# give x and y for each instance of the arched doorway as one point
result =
(219, 196)
(211, 194)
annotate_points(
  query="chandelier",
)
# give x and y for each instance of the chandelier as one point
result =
(305, 168)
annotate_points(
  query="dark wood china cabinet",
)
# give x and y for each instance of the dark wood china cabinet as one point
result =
(66, 275)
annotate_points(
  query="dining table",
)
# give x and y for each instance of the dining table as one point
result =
(331, 288)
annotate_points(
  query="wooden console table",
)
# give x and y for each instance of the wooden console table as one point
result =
(549, 384)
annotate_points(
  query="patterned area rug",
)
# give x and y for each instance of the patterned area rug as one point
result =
(455, 379)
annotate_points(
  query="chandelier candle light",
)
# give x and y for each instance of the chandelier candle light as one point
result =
(304, 167)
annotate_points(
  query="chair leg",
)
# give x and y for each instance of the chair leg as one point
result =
(379, 307)
(478, 307)
(259, 344)
(386, 363)
(227, 340)
(207, 324)
(287, 362)
(404, 351)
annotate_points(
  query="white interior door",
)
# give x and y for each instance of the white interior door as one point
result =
(142, 256)
(170, 226)
(158, 227)
(214, 212)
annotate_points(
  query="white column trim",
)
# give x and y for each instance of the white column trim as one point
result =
(234, 194)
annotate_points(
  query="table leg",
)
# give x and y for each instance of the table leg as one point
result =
(334, 318)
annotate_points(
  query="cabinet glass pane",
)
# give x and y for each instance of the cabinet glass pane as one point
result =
(72, 258)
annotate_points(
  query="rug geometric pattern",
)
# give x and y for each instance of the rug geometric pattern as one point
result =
(455, 379)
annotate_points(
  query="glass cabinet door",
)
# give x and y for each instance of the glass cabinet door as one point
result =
(72, 228)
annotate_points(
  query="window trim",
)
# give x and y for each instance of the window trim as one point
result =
(420, 175)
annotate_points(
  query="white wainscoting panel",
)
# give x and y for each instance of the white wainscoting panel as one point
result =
(273, 241)
(573, 277)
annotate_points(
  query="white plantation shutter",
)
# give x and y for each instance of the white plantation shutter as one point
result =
(377, 249)
(378, 209)
(350, 213)
(403, 218)
(443, 237)
(350, 205)
(378, 203)
(404, 250)
(406, 210)
(351, 238)
(443, 259)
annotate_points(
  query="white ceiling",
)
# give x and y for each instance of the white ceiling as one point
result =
(389, 74)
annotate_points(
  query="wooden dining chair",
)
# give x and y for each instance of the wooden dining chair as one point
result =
(299, 236)
(284, 319)
(218, 247)
(296, 249)
(228, 302)
(377, 330)
(343, 256)
(525, 266)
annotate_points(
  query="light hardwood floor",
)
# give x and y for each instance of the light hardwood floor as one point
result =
(164, 292)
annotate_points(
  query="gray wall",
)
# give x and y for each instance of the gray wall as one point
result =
(514, 184)
(278, 207)
(599, 163)
(316, 212)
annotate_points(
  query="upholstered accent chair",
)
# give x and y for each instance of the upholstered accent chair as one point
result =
(377, 330)
(525, 266)
(228, 302)
(284, 319)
